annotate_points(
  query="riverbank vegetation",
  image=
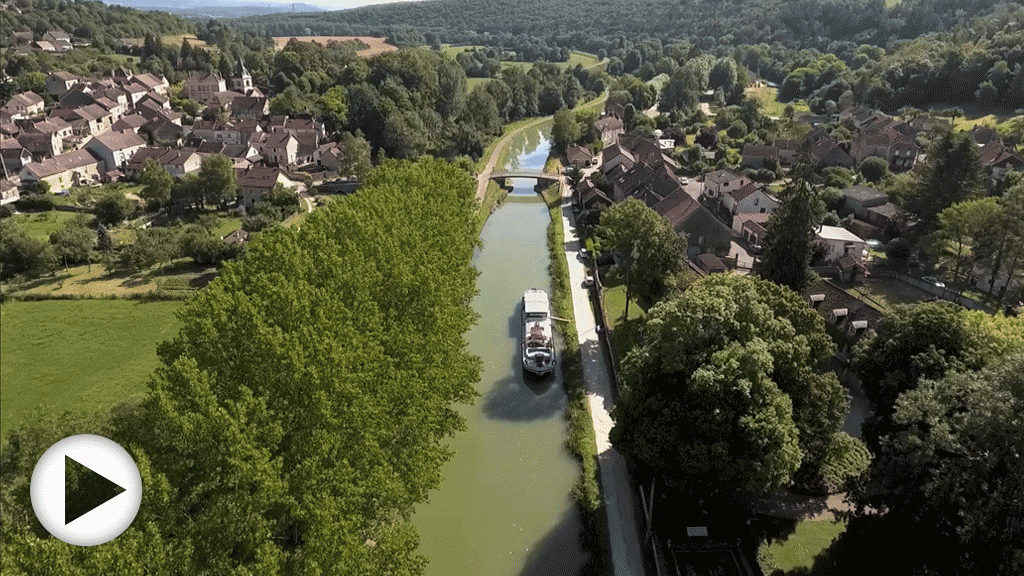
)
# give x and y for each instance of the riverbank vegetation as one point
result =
(581, 439)
(305, 391)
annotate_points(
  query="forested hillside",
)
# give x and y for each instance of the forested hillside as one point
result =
(597, 24)
(93, 22)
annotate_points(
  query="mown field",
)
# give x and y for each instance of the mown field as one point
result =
(374, 45)
(77, 355)
(769, 98)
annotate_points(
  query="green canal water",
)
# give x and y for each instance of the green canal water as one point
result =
(504, 507)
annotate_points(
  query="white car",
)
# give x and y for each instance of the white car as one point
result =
(934, 281)
(684, 180)
(588, 281)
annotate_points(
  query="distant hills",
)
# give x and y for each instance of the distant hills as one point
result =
(220, 8)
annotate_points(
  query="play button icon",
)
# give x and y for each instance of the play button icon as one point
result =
(86, 490)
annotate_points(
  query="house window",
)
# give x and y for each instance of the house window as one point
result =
(838, 315)
(762, 210)
(816, 300)
(757, 202)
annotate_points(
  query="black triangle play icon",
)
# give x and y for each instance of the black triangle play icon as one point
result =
(84, 489)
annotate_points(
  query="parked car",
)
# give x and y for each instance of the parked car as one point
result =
(756, 249)
(874, 245)
(684, 180)
(933, 281)
(588, 281)
(584, 254)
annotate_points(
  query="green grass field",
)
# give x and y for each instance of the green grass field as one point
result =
(77, 354)
(40, 225)
(810, 538)
(772, 106)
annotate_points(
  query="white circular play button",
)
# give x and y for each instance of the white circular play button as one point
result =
(86, 490)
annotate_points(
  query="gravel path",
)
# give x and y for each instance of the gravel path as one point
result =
(616, 488)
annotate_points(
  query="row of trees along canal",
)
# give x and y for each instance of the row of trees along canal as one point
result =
(300, 413)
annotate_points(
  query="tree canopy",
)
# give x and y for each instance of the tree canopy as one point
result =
(724, 393)
(301, 411)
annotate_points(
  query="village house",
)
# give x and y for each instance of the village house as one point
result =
(155, 101)
(895, 148)
(152, 111)
(40, 144)
(204, 86)
(710, 264)
(579, 156)
(828, 152)
(44, 45)
(750, 199)
(590, 197)
(25, 104)
(702, 231)
(78, 168)
(176, 162)
(788, 150)
(153, 83)
(53, 125)
(161, 132)
(838, 243)
(14, 156)
(60, 82)
(872, 210)
(751, 227)
(999, 158)
(848, 319)
(755, 156)
(615, 160)
(329, 156)
(257, 181)
(721, 182)
(984, 135)
(280, 149)
(131, 122)
(115, 148)
(609, 127)
(249, 107)
(56, 35)
(216, 130)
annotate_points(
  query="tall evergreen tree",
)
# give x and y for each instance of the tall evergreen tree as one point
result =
(953, 173)
(789, 239)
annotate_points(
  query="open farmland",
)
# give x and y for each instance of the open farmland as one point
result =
(373, 45)
(78, 355)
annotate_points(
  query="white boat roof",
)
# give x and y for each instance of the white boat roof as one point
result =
(536, 302)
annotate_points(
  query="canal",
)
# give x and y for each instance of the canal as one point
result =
(504, 507)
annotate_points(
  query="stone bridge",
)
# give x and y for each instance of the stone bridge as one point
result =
(543, 179)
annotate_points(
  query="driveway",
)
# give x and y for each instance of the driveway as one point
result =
(616, 487)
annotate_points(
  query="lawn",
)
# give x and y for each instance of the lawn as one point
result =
(623, 333)
(985, 117)
(883, 293)
(77, 354)
(809, 539)
(81, 281)
(772, 106)
(39, 225)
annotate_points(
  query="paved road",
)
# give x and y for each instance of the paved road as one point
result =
(615, 482)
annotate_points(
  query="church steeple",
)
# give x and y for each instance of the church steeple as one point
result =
(243, 82)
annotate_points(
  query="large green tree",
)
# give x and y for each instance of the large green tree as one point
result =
(217, 179)
(73, 241)
(951, 476)
(925, 340)
(646, 244)
(156, 182)
(953, 173)
(113, 208)
(303, 409)
(725, 394)
(565, 131)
